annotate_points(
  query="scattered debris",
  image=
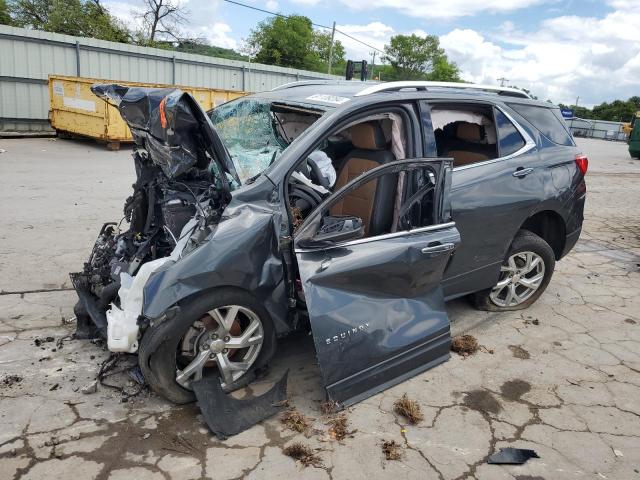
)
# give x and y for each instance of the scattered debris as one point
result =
(60, 341)
(238, 414)
(54, 387)
(296, 421)
(329, 407)
(338, 428)
(532, 321)
(617, 453)
(512, 456)
(519, 352)
(2, 150)
(304, 454)
(136, 375)
(486, 350)
(464, 345)
(145, 436)
(392, 450)
(89, 388)
(10, 380)
(7, 337)
(630, 321)
(410, 409)
(39, 341)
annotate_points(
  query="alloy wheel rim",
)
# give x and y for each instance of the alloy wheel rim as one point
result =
(228, 338)
(520, 278)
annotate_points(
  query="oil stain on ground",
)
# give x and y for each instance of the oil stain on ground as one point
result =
(482, 401)
(514, 389)
(519, 352)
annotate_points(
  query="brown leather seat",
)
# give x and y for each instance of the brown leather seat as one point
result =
(373, 201)
(468, 147)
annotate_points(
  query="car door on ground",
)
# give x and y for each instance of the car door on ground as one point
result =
(495, 185)
(375, 303)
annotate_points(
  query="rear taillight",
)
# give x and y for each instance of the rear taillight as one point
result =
(583, 163)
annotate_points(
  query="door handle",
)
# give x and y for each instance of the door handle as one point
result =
(522, 172)
(440, 248)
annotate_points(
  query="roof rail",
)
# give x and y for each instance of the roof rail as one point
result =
(304, 83)
(425, 85)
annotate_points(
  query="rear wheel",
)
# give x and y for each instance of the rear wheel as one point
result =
(227, 333)
(524, 275)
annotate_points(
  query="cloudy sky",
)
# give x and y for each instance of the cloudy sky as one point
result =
(558, 49)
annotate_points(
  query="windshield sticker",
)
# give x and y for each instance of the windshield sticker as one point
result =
(328, 99)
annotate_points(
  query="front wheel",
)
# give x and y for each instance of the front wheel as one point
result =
(524, 275)
(227, 333)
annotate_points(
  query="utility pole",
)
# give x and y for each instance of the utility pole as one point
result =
(333, 34)
(502, 81)
(373, 63)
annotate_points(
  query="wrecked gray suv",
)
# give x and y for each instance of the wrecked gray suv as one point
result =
(351, 210)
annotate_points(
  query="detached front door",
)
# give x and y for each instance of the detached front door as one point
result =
(376, 304)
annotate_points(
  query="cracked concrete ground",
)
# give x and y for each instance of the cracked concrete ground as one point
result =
(563, 378)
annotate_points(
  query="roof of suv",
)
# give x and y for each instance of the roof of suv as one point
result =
(333, 93)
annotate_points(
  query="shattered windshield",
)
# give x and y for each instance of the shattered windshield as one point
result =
(256, 132)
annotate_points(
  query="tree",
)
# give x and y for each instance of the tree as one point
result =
(70, 17)
(161, 20)
(321, 45)
(284, 41)
(616, 111)
(201, 47)
(5, 17)
(418, 58)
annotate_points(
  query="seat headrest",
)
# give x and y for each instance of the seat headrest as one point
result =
(469, 132)
(368, 136)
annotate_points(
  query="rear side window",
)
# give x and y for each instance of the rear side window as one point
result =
(509, 139)
(544, 120)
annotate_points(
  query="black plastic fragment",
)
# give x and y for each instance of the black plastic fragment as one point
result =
(512, 456)
(228, 416)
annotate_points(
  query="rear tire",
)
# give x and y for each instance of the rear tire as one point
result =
(158, 353)
(520, 286)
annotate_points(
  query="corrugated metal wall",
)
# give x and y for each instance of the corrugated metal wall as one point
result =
(27, 57)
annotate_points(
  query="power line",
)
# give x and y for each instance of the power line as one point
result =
(312, 23)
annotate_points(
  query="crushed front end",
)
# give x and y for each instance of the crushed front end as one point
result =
(181, 188)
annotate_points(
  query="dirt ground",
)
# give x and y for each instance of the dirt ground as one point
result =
(563, 378)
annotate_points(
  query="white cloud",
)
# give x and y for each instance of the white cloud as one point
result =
(216, 34)
(376, 34)
(566, 57)
(437, 8)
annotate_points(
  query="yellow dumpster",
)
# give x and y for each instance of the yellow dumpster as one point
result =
(74, 109)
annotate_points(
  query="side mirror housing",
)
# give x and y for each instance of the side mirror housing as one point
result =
(339, 228)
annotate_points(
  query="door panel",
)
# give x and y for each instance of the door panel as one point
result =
(376, 306)
(489, 204)
(377, 310)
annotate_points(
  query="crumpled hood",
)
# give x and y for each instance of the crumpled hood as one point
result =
(171, 126)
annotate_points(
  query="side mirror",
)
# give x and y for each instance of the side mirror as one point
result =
(338, 228)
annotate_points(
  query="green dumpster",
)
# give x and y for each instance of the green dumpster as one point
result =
(634, 139)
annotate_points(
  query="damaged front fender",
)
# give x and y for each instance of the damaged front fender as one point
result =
(243, 251)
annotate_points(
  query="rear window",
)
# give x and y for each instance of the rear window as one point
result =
(544, 120)
(509, 138)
